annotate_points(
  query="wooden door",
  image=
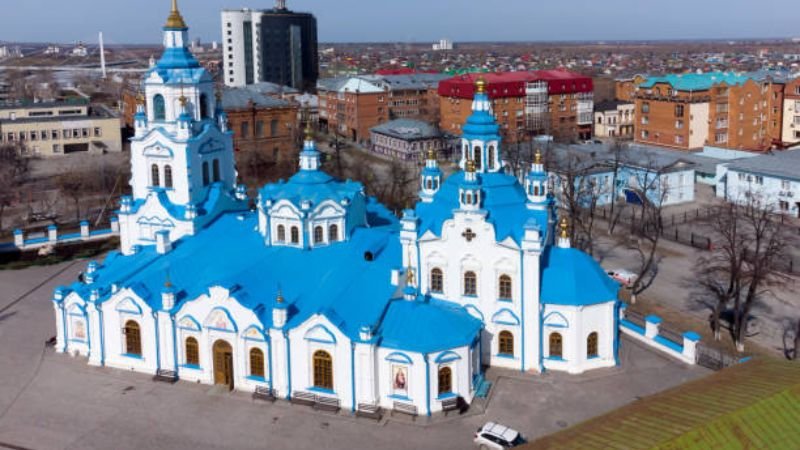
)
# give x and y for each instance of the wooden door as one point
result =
(223, 364)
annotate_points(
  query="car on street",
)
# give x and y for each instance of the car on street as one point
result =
(625, 277)
(497, 436)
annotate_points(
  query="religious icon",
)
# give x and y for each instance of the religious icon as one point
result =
(400, 380)
(79, 329)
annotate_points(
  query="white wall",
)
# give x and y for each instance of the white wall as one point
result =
(698, 124)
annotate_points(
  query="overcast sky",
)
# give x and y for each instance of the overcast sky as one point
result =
(139, 21)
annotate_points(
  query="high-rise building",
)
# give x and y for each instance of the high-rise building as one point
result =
(275, 45)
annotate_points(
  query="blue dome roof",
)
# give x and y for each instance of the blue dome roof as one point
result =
(572, 277)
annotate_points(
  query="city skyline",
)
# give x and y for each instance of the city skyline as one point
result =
(351, 21)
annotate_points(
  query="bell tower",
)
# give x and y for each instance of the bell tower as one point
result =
(431, 178)
(182, 165)
(536, 182)
(480, 140)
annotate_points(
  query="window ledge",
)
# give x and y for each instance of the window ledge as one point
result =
(447, 396)
(256, 378)
(399, 397)
(191, 366)
(131, 355)
(505, 356)
(555, 358)
(505, 300)
(593, 357)
(321, 390)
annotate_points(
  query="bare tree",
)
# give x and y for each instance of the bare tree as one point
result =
(14, 170)
(617, 149)
(765, 249)
(73, 184)
(720, 272)
(647, 231)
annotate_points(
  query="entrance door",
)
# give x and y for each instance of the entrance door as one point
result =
(223, 364)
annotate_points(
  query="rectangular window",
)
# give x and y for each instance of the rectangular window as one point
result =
(98, 132)
(679, 139)
(759, 180)
(786, 185)
(54, 134)
(259, 128)
(678, 110)
(645, 107)
(245, 130)
(679, 124)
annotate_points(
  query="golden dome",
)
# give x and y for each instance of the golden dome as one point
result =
(183, 100)
(538, 157)
(140, 98)
(431, 154)
(309, 132)
(470, 165)
(564, 228)
(480, 85)
(175, 20)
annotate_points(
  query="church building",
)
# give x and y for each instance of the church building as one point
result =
(320, 289)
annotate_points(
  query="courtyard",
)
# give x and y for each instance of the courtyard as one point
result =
(54, 401)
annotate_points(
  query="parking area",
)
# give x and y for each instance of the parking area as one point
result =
(51, 401)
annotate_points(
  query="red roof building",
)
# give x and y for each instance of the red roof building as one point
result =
(553, 102)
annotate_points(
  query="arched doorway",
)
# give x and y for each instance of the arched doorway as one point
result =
(223, 364)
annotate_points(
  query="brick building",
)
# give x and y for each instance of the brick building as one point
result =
(552, 102)
(726, 110)
(791, 112)
(351, 106)
(406, 139)
(625, 88)
(262, 123)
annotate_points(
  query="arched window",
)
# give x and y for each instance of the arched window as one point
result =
(281, 233)
(192, 353)
(478, 158)
(154, 178)
(429, 184)
(506, 343)
(168, 176)
(333, 233)
(318, 235)
(505, 287)
(535, 189)
(273, 128)
(470, 283)
(556, 346)
(256, 363)
(215, 170)
(205, 173)
(591, 345)
(469, 198)
(133, 338)
(323, 370)
(203, 106)
(437, 280)
(159, 108)
(445, 381)
(295, 235)
(490, 158)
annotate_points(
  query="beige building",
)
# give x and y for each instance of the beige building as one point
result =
(614, 119)
(791, 113)
(57, 128)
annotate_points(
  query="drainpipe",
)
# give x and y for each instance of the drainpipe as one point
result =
(353, 374)
(427, 384)
(288, 366)
(522, 302)
(269, 356)
(158, 344)
(102, 338)
(174, 345)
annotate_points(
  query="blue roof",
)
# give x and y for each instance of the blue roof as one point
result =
(697, 81)
(434, 324)
(572, 277)
(504, 200)
(315, 186)
(335, 281)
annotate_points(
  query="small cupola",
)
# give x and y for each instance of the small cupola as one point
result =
(140, 118)
(536, 183)
(280, 312)
(563, 235)
(470, 189)
(184, 119)
(431, 178)
(167, 295)
(309, 156)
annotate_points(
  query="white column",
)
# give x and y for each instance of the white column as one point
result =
(52, 233)
(61, 337)
(19, 238)
(690, 340)
(95, 344)
(279, 374)
(652, 324)
(166, 341)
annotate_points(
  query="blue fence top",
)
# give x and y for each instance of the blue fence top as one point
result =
(692, 336)
(51, 227)
(628, 324)
(667, 343)
(653, 319)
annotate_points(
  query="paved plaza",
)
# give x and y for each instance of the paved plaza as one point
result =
(53, 401)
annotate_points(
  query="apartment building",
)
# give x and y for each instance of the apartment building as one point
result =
(771, 179)
(625, 88)
(545, 102)
(406, 140)
(262, 123)
(717, 109)
(351, 106)
(791, 113)
(275, 45)
(614, 119)
(58, 128)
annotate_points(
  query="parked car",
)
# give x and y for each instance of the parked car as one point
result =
(496, 436)
(625, 277)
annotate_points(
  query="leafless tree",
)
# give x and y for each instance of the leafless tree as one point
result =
(615, 164)
(74, 185)
(646, 232)
(14, 171)
(720, 272)
(766, 247)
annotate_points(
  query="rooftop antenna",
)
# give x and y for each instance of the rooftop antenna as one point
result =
(102, 56)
